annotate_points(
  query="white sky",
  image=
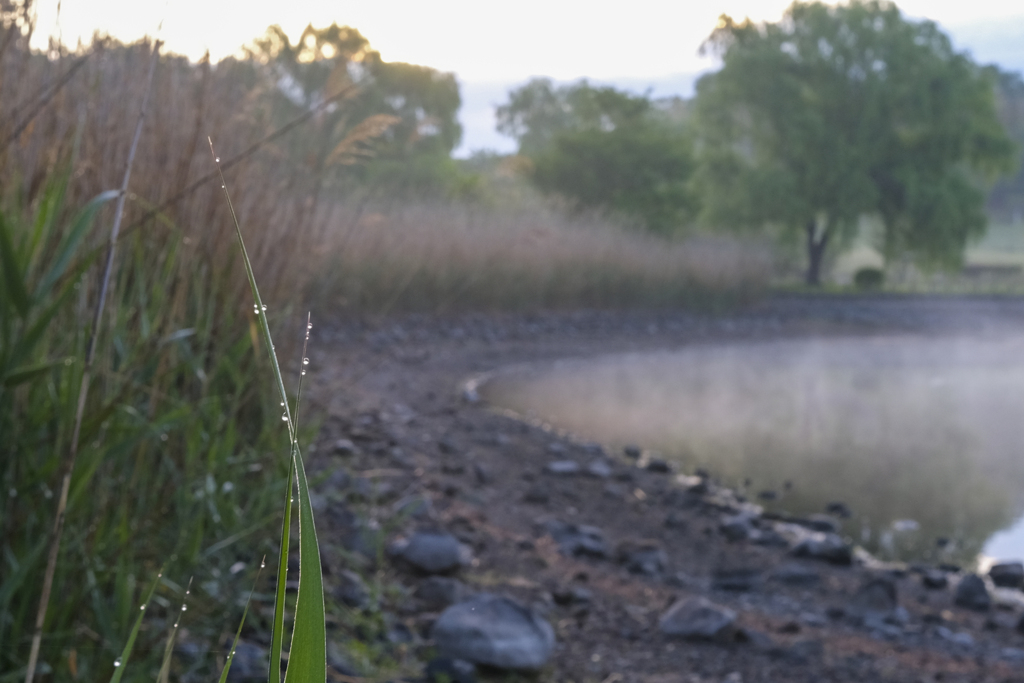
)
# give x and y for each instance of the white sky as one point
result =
(480, 40)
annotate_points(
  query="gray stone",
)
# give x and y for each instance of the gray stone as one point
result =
(804, 651)
(961, 638)
(739, 527)
(578, 539)
(563, 467)
(494, 631)
(572, 595)
(972, 593)
(1007, 574)
(416, 506)
(874, 600)
(356, 535)
(642, 557)
(676, 520)
(432, 552)
(659, 466)
(632, 452)
(697, 618)
(735, 578)
(599, 469)
(820, 522)
(796, 574)
(826, 547)
(345, 447)
(439, 592)
(934, 579)
(482, 474)
(839, 509)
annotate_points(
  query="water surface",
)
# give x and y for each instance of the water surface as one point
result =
(922, 438)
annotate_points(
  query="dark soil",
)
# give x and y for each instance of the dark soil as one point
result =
(393, 392)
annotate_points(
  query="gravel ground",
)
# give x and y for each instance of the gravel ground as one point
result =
(403, 447)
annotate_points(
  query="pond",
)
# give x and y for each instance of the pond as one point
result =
(921, 438)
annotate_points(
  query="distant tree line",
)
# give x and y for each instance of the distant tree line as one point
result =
(832, 114)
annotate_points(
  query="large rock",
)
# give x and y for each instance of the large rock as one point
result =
(578, 539)
(432, 552)
(697, 618)
(494, 631)
(972, 593)
(1007, 574)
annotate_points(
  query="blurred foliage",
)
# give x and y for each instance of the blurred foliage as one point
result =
(172, 468)
(601, 148)
(836, 112)
(399, 120)
(640, 170)
(1006, 202)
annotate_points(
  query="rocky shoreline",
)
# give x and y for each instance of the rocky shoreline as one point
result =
(491, 548)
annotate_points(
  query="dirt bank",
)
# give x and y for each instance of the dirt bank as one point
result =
(403, 449)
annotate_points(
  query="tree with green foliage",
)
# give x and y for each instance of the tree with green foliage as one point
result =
(603, 148)
(838, 112)
(409, 112)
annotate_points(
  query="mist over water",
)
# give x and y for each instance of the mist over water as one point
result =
(923, 438)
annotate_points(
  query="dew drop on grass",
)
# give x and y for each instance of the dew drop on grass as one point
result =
(142, 608)
(284, 418)
(264, 307)
(117, 662)
(216, 159)
(303, 372)
(184, 608)
(309, 326)
(305, 361)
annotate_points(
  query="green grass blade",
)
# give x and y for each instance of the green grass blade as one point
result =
(122, 662)
(79, 226)
(238, 633)
(26, 372)
(14, 278)
(260, 308)
(165, 665)
(277, 635)
(307, 658)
